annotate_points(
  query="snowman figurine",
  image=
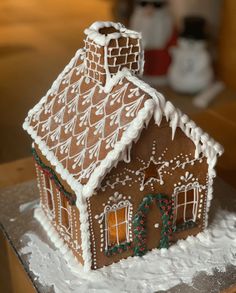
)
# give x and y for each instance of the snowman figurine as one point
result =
(153, 19)
(191, 71)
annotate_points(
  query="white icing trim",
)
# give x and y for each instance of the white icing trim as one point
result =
(155, 106)
(114, 207)
(79, 54)
(209, 195)
(195, 201)
(81, 203)
(93, 32)
(65, 175)
(118, 153)
(56, 239)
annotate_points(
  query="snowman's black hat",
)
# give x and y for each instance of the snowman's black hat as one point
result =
(156, 3)
(194, 28)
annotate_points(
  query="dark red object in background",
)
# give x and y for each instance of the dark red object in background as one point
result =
(157, 61)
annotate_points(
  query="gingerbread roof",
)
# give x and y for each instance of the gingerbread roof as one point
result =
(85, 126)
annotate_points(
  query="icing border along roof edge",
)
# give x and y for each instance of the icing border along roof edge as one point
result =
(65, 175)
(155, 106)
(116, 154)
(93, 32)
(203, 143)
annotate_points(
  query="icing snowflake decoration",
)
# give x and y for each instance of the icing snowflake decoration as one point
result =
(152, 172)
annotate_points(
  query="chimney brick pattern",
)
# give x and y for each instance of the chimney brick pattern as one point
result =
(104, 62)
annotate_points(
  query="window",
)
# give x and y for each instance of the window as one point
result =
(65, 213)
(186, 202)
(49, 192)
(117, 224)
(48, 195)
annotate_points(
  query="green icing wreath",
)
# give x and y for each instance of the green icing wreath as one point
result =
(118, 248)
(139, 222)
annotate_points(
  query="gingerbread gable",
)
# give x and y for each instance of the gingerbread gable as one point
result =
(87, 122)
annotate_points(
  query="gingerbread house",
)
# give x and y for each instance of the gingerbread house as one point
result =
(120, 170)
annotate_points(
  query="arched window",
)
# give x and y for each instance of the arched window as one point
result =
(117, 223)
(186, 203)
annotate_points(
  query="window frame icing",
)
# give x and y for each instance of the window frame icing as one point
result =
(184, 189)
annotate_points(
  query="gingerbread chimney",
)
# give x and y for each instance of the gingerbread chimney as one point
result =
(110, 47)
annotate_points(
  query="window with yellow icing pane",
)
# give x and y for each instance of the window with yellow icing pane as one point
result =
(117, 226)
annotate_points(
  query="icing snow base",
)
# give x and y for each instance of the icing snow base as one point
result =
(53, 235)
(162, 269)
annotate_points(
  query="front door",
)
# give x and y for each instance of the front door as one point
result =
(152, 223)
(153, 226)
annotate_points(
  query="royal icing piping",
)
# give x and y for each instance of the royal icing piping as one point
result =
(155, 106)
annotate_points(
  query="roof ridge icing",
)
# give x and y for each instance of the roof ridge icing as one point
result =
(155, 106)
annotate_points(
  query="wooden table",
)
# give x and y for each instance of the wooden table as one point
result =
(17, 282)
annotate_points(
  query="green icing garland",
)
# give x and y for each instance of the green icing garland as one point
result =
(184, 226)
(139, 246)
(165, 204)
(52, 175)
(118, 248)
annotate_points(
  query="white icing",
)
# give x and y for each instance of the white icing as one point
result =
(193, 187)
(81, 203)
(92, 235)
(115, 202)
(54, 208)
(28, 205)
(117, 153)
(155, 107)
(128, 208)
(55, 238)
(123, 180)
(93, 32)
(157, 270)
(111, 53)
(155, 178)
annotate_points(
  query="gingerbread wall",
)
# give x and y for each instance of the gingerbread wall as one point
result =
(61, 216)
(125, 183)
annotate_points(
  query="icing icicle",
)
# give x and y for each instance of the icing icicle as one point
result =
(145, 103)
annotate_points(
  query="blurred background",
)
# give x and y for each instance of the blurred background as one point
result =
(39, 37)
